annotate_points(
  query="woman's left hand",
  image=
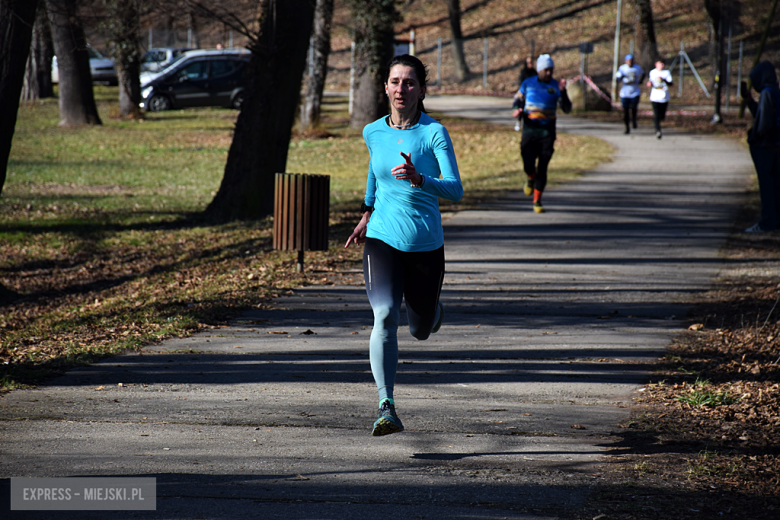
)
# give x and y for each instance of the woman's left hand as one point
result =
(358, 236)
(407, 171)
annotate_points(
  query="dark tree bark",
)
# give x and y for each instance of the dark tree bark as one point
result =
(646, 42)
(16, 22)
(459, 58)
(192, 25)
(757, 59)
(37, 76)
(719, 14)
(170, 31)
(713, 25)
(122, 27)
(372, 31)
(262, 134)
(77, 100)
(319, 48)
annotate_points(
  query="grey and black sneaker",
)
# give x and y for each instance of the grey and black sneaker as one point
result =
(755, 228)
(387, 421)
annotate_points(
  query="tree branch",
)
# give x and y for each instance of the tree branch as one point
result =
(227, 17)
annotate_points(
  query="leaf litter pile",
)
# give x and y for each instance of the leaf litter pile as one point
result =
(704, 437)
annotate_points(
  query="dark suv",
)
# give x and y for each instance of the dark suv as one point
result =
(197, 79)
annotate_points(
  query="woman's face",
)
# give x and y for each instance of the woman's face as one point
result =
(403, 89)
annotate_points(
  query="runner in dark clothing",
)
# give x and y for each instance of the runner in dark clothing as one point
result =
(764, 141)
(528, 71)
(537, 101)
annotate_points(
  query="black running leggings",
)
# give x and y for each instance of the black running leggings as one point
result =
(537, 151)
(659, 114)
(630, 104)
(393, 276)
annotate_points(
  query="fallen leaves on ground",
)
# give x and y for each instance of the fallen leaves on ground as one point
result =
(124, 287)
(706, 432)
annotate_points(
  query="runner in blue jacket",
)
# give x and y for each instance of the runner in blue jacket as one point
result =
(537, 101)
(412, 164)
(631, 75)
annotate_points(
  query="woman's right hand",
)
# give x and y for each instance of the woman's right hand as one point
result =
(358, 236)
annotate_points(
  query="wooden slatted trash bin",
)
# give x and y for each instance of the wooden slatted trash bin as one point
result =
(301, 208)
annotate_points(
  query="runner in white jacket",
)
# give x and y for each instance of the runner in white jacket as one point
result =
(659, 83)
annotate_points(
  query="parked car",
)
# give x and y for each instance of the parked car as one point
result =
(102, 68)
(199, 78)
(155, 60)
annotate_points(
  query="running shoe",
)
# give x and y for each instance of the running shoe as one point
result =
(529, 187)
(755, 228)
(437, 326)
(658, 134)
(538, 208)
(387, 421)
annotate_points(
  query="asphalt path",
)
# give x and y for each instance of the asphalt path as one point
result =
(553, 322)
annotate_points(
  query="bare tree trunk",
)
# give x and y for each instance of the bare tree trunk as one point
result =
(77, 100)
(37, 77)
(129, 90)
(458, 56)
(372, 27)
(16, 22)
(192, 25)
(319, 48)
(262, 134)
(716, 9)
(761, 43)
(30, 89)
(170, 31)
(646, 42)
(122, 27)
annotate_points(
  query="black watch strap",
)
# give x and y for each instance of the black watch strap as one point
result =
(364, 208)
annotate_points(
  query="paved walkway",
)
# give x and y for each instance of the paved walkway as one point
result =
(553, 322)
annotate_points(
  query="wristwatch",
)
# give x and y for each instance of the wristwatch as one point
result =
(364, 208)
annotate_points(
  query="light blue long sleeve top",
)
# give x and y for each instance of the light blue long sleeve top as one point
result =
(404, 217)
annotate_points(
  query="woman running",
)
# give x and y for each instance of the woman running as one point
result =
(412, 164)
(660, 81)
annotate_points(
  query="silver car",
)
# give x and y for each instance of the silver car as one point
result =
(102, 68)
